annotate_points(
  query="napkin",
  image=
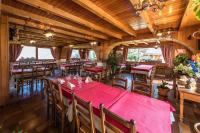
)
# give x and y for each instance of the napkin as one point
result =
(70, 85)
(88, 80)
(61, 81)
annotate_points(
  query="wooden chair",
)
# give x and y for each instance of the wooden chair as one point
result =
(83, 115)
(49, 96)
(25, 79)
(60, 107)
(105, 125)
(196, 127)
(120, 83)
(142, 85)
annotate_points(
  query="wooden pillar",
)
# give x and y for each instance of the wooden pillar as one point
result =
(4, 60)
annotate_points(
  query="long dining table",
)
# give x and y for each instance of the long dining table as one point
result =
(150, 115)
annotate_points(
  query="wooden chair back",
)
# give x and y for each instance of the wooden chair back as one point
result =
(83, 115)
(119, 82)
(105, 125)
(57, 94)
(196, 127)
(142, 84)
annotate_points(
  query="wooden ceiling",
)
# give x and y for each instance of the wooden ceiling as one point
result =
(82, 21)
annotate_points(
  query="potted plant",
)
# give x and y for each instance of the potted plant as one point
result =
(180, 59)
(112, 61)
(163, 89)
(196, 8)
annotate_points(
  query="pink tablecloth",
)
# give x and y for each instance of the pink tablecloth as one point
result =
(151, 115)
(94, 69)
(95, 92)
(142, 68)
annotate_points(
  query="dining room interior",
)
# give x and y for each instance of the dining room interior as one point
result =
(107, 66)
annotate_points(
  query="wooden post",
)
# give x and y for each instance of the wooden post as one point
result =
(4, 60)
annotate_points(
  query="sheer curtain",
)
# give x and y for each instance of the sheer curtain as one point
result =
(15, 50)
(167, 53)
(53, 52)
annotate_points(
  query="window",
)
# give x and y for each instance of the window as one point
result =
(145, 54)
(75, 54)
(44, 53)
(92, 55)
(28, 53)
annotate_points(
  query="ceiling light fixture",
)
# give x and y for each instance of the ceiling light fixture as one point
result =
(49, 33)
(164, 33)
(93, 43)
(153, 5)
(32, 41)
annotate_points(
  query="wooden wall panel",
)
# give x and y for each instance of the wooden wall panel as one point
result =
(4, 60)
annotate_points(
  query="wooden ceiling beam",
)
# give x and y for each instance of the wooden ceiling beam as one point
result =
(145, 16)
(64, 14)
(34, 34)
(29, 37)
(189, 17)
(59, 32)
(87, 4)
(45, 20)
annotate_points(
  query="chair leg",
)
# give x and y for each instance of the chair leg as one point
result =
(62, 122)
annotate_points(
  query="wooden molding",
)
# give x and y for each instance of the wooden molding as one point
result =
(104, 15)
(22, 13)
(64, 14)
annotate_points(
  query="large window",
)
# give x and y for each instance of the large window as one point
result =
(28, 53)
(75, 54)
(44, 53)
(92, 55)
(145, 54)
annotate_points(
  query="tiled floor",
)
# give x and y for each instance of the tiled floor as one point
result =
(28, 111)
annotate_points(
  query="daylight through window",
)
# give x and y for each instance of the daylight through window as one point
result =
(28, 53)
(145, 54)
(75, 54)
(44, 53)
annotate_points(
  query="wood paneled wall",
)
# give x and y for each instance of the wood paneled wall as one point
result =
(4, 60)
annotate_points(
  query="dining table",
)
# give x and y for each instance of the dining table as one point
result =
(150, 115)
(142, 69)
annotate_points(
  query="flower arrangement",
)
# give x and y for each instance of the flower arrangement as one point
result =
(184, 69)
(196, 58)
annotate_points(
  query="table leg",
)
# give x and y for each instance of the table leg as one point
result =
(181, 106)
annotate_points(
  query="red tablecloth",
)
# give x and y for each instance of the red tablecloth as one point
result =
(151, 115)
(143, 68)
(94, 69)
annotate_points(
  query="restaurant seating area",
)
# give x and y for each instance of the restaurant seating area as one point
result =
(99, 66)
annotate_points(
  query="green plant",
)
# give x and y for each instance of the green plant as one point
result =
(196, 8)
(163, 85)
(184, 69)
(180, 59)
(112, 61)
